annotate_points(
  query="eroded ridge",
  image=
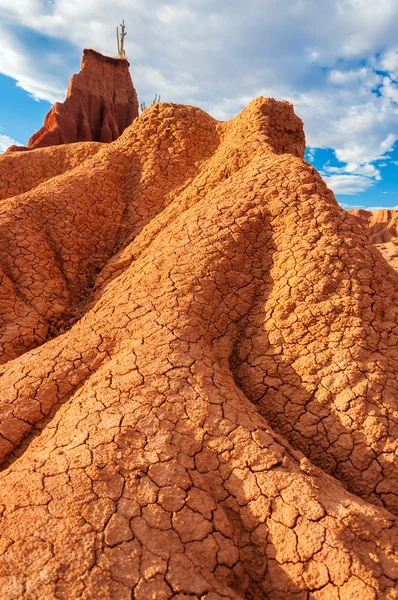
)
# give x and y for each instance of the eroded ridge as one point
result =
(237, 290)
(56, 238)
(23, 171)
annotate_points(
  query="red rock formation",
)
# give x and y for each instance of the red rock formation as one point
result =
(221, 420)
(100, 104)
(382, 228)
(381, 225)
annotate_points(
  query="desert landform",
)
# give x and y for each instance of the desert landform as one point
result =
(199, 360)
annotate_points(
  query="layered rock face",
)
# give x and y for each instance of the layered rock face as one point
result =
(218, 418)
(382, 228)
(100, 104)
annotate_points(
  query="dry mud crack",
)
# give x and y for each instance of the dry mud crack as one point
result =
(221, 422)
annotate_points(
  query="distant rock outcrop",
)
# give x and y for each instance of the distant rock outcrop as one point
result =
(382, 229)
(218, 419)
(100, 104)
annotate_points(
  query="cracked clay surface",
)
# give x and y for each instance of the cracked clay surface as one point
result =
(199, 371)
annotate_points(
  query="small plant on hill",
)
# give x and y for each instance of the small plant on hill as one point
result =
(120, 40)
(155, 101)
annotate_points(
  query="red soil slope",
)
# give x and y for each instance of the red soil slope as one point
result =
(21, 171)
(221, 421)
(100, 104)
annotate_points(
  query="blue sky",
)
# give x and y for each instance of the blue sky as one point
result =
(336, 60)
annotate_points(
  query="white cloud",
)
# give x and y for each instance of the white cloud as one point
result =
(32, 75)
(389, 62)
(311, 154)
(390, 89)
(367, 169)
(349, 185)
(5, 142)
(365, 77)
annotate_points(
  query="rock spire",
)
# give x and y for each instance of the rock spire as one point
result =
(101, 102)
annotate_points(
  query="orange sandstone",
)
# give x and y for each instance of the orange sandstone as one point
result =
(199, 379)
